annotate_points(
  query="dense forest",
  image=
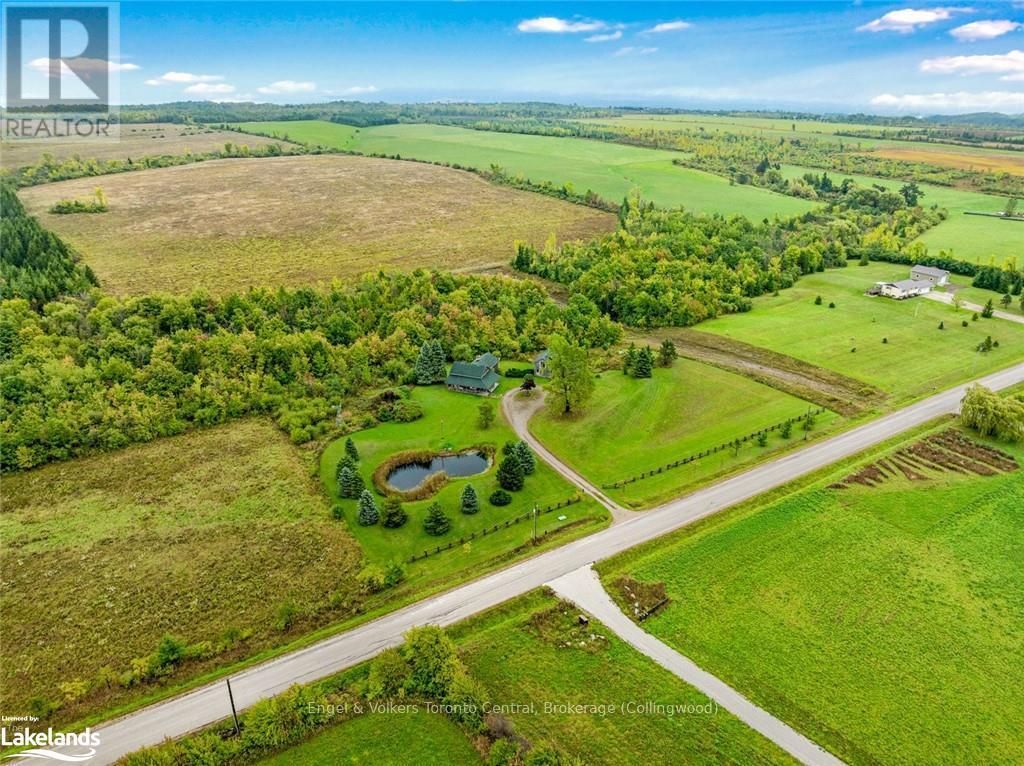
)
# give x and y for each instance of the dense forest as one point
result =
(82, 371)
(671, 267)
(36, 265)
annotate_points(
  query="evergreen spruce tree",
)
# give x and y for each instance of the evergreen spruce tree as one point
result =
(510, 472)
(350, 483)
(438, 361)
(367, 509)
(392, 513)
(345, 462)
(436, 523)
(350, 450)
(644, 365)
(667, 353)
(424, 370)
(526, 458)
(470, 502)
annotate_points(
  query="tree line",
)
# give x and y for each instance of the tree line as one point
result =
(83, 371)
(672, 267)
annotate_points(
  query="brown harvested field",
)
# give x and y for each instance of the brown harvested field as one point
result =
(228, 224)
(141, 140)
(967, 158)
(191, 535)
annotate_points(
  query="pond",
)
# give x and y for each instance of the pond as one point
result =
(411, 475)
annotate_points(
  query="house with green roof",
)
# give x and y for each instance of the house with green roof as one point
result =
(477, 377)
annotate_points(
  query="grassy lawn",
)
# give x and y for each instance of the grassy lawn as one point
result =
(980, 296)
(450, 420)
(634, 425)
(150, 139)
(519, 652)
(972, 238)
(381, 739)
(190, 535)
(610, 170)
(919, 359)
(227, 224)
(885, 622)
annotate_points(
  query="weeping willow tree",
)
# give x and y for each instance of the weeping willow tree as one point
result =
(990, 414)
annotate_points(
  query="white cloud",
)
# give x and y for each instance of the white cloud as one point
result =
(207, 89)
(630, 50)
(553, 25)
(669, 26)
(1011, 65)
(288, 86)
(186, 77)
(907, 20)
(357, 90)
(82, 65)
(604, 38)
(153, 82)
(1000, 100)
(984, 30)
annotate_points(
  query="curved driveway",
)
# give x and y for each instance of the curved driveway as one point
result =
(209, 703)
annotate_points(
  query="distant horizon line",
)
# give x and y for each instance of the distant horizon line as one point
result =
(791, 112)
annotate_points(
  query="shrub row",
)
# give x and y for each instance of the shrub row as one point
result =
(709, 451)
(494, 528)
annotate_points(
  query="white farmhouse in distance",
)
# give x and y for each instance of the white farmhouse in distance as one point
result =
(937, 277)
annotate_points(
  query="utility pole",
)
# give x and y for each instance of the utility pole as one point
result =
(535, 514)
(234, 713)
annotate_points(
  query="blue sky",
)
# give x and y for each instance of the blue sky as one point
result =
(849, 56)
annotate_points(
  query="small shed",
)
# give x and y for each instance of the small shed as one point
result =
(540, 364)
(930, 274)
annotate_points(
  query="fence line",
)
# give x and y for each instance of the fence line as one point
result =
(710, 451)
(494, 528)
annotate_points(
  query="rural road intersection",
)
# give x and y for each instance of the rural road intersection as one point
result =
(583, 588)
(209, 703)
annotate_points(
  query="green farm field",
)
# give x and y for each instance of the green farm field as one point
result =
(885, 620)
(421, 737)
(450, 421)
(919, 359)
(193, 536)
(226, 225)
(633, 425)
(977, 239)
(519, 652)
(610, 170)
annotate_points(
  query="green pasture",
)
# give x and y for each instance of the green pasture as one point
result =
(918, 359)
(610, 170)
(886, 623)
(633, 425)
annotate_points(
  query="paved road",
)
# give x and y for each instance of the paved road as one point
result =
(948, 299)
(583, 588)
(209, 703)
